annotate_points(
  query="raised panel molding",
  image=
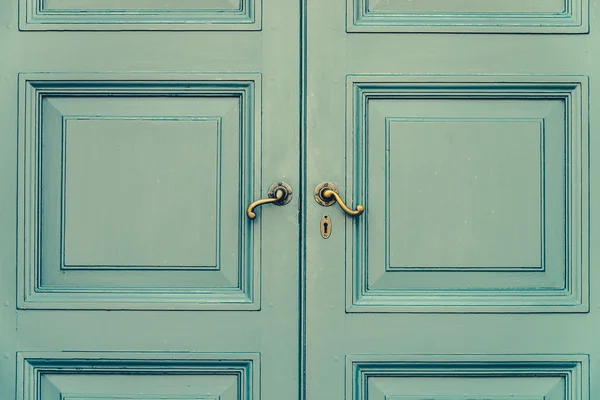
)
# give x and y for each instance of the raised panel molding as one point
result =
(533, 151)
(463, 397)
(457, 16)
(190, 15)
(138, 376)
(69, 239)
(558, 284)
(467, 377)
(144, 397)
(49, 102)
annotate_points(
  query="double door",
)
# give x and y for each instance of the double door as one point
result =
(135, 135)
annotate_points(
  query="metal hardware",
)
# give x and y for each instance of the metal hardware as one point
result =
(326, 226)
(325, 202)
(326, 194)
(279, 194)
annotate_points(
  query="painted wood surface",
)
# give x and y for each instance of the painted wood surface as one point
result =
(472, 273)
(134, 133)
(132, 137)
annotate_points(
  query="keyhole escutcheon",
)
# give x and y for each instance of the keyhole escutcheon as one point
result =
(325, 226)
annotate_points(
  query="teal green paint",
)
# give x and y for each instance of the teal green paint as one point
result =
(411, 302)
(454, 163)
(207, 376)
(440, 377)
(510, 16)
(212, 15)
(133, 136)
(137, 188)
(129, 153)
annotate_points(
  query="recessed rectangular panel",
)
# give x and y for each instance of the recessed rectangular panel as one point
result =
(551, 16)
(466, 388)
(465, 193)
(144, 397)
(126, 202)
(130, 5)
(468, 377)
(141, 192)
(138, 376)
(190, 15)
(471, 6)
(470, 189)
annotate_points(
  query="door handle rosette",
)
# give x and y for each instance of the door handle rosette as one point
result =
(279, 194)
(326, 194)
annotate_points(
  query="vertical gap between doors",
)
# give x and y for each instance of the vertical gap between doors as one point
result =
(302, 205)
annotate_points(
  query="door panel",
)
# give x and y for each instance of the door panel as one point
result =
(471, 273)
(131, 142)
(130, 200)
(442, 377)
(92, 376)
(187, 15)
(506, 16)
(134, 134)
(474, 187)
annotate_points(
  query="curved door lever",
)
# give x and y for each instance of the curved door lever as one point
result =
(327, 194)
(279, 194)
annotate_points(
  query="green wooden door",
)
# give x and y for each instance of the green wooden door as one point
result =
(468, 131)
(133, 136)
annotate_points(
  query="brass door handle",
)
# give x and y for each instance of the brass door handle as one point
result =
(279, 194)
(326, 194)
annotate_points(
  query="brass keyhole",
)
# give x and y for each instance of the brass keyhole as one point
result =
(326, 226)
